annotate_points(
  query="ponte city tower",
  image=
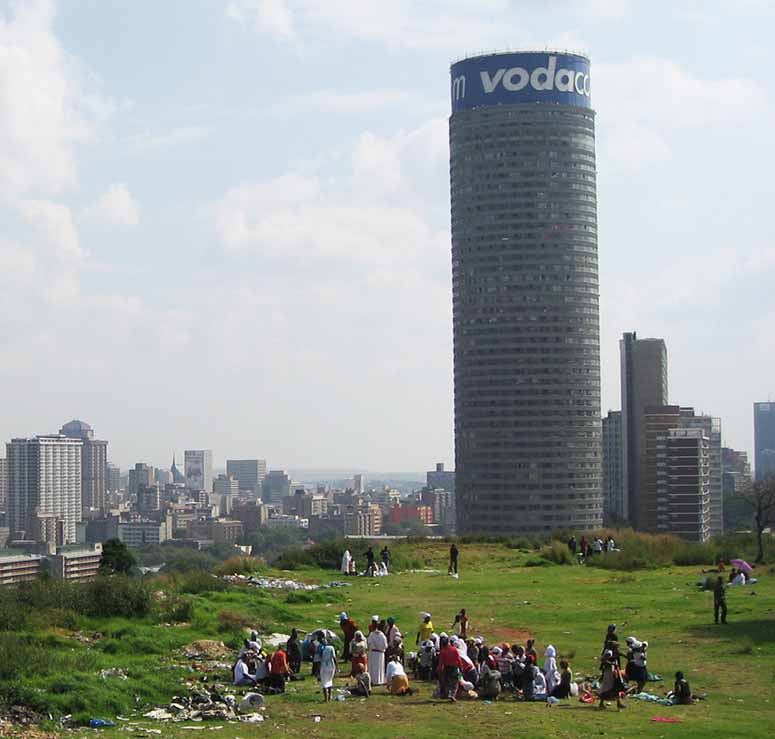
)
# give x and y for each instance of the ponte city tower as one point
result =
(525, 294)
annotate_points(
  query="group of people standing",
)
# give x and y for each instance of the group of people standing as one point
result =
(374, 568)
(589, 547)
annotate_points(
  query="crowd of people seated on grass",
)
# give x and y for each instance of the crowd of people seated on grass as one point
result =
(457, 664)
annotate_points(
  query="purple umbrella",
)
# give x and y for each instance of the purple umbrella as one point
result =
(741, 564)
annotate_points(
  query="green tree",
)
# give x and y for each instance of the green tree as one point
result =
(760, 497)
(116, 558)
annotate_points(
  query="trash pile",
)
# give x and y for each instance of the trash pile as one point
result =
(211, 705)
(113, 672)
(207, 649)
(276, 583)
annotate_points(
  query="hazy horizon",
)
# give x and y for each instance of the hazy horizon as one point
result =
(226, 224)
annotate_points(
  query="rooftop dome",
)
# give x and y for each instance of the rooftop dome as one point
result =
(77, 429)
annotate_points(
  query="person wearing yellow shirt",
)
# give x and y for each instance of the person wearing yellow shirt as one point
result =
(426, 629)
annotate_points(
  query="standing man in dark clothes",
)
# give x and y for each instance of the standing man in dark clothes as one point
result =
(572, 545)
(452, 560)
(370, 561)
(385, 554)
(720, 601)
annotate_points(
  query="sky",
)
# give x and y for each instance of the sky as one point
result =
(224, 224)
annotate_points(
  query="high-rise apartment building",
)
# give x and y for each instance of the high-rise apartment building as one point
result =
(94, 460)
(3, 484)
(711, 428)
(226, 485)
(440, 479)
(644, 383)
(525, 294)
(250, 473)
(112, 478)
(276, 486)
(44, 485)
(736, 479)
(359, 484)
(683, 498)
(764, 440)
(140, 476)
(657, 421)
(198, 466)
(613, 481)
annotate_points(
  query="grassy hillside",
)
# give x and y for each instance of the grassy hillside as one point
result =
(568, 606)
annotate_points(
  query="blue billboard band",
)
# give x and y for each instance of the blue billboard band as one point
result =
(528, 77)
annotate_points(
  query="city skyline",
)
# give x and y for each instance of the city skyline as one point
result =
(251, 246)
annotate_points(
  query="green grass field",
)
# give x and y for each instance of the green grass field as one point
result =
(568, 606)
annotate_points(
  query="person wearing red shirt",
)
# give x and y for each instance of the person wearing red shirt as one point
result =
(278, 670)
(450, 666)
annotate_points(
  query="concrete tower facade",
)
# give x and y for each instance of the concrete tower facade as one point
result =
(525, 294)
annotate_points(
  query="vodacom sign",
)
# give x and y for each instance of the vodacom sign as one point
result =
(499, 79)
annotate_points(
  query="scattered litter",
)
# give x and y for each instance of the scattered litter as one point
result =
(100, 723)
(252, 718)
(652, 698)
(652, 678)
(251, 703)
(276, 583)
(316, 719)
(207, 649)
(113, 672)
(275, 640)
(425, 572)
(666, 720)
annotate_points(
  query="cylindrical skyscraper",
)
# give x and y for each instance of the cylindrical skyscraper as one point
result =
(525, 294)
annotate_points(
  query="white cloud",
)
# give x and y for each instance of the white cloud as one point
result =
(606, 10)
(335, 101)
(271, 17)
(147, 142)
(116, 207)
(44, 107)
(399, 23)
(637, 122)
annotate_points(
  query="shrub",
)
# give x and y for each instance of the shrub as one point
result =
(237, 566)
(234, 621)
(175, 610)
(298, 597)
(537, 562)
(695, 554)
(558, 553)
(294, 559)
(197, 583)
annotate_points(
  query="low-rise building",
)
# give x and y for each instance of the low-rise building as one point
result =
(407, 513)
(224, 530)
(18, 568)
(76, 565)
(138, 534)
(365, 521)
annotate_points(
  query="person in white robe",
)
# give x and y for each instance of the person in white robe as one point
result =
(346, 560)
(377, 642)
(550, 669)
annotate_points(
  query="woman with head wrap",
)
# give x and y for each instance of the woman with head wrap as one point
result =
(449, 669)
(611, 683)
(637, 662)
(362, 686)
(327, 668)
(396, 678)
(358, 651)
(550, 669)
(349, 627)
